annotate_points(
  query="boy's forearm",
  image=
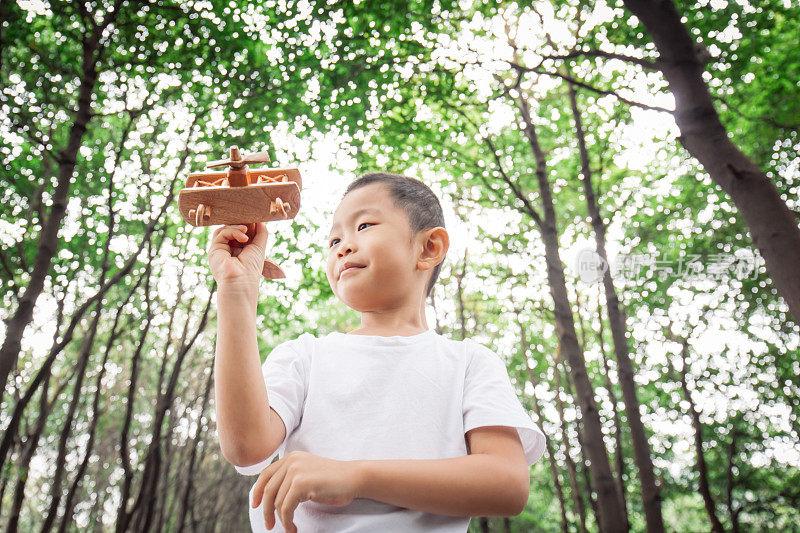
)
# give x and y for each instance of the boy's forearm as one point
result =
(472, 485)
(241, 396)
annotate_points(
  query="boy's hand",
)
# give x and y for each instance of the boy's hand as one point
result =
(299, 477)
(235, 265)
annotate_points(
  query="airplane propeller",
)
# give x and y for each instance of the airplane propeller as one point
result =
(237, 161)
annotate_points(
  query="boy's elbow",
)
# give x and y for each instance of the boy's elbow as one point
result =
(258, 446)
(520, 503)
(511, 493)
(522, 493)
(245, 458)
(515, 488)
(232, 456)
(239, 456)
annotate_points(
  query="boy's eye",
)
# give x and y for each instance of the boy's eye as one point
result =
(359, 227)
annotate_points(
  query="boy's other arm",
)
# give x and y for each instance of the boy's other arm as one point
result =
(249, 429)
(492, 481)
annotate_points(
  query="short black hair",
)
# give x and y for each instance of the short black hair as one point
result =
(415, 198)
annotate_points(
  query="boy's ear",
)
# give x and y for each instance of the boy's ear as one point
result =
(435, 243)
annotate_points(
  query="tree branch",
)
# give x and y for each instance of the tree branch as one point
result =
(769, 120)
(581, 83)
(528, 206)
(644, 63)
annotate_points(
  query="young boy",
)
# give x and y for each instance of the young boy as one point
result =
(388, 428)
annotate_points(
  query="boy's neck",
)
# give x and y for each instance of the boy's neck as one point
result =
(387, 333)
(397, 322)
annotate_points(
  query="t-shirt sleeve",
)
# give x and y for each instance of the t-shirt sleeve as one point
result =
(285, 373)
(490, 400)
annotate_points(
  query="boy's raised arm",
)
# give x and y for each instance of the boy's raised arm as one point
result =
(249, 431)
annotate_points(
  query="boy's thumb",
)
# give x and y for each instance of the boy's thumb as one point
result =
(260, 239)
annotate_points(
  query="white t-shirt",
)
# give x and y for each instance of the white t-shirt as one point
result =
(350, 397)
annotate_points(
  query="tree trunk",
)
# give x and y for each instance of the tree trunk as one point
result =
(69, 505)
(10, 436)
(584, 470)
(156, 496)
(702, 470)
(84, 354)
(733, 513)
(525, 346)
(219, 505)
(48, 238)
(552, 461)
(190, 469)
(96, 512)
(83, 359)
(611, 513)
(772, 224)
(168, 484)
(144, 506)
(46, 368)
(577, 498)
(44, 371)
(123, 517)
(619, 455)
(164, 495)
(651, 496)
(28, 451)
(66, 431)
(462, 320)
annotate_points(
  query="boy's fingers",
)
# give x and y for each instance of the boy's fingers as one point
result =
(222, 228)
(288, 506)
(225, 227)
(269, 494)
(263, 478)
(224, 234)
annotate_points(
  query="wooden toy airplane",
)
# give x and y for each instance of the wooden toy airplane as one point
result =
(242, 196)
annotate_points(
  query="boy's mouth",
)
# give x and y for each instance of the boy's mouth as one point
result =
(347, 267)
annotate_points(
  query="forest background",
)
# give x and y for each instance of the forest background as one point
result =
(620, 181)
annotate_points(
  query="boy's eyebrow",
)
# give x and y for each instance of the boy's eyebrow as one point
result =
(355, 214)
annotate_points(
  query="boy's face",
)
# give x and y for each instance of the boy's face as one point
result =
(380, 240)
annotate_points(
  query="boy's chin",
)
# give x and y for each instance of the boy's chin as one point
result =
(358, 304)
(362, 300)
